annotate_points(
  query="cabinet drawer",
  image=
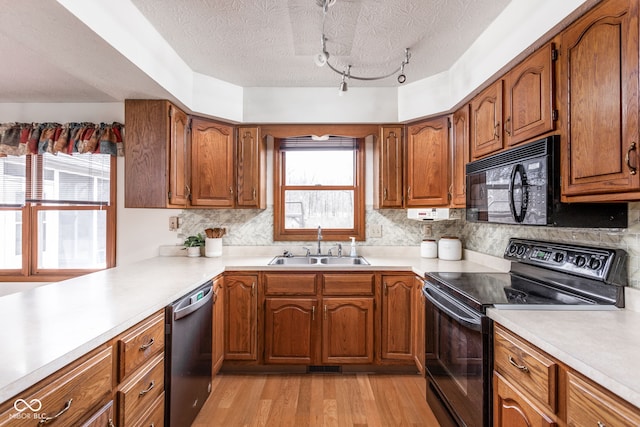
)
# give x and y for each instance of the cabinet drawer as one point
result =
(69, 397)
(591, 405)
(528, 368)
(140, 344)
(103, 418)
(348, 284)
(141, 391)
(290, 284)
(154, 416)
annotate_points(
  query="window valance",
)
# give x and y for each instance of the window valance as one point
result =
(18, 139)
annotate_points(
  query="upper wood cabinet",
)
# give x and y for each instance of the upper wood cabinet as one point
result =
(156, 155)
(212, 173)
(528, 97)
(427, 171)
(460, 156)
(251, 168)
(486, 121)
(599, 83)
(388, 155)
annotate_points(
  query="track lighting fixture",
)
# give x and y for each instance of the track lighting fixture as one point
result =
(322, 58)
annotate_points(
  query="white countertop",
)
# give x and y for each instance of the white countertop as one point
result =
(45, 328)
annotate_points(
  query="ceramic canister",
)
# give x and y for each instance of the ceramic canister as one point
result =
(429, 248)
(450, 248)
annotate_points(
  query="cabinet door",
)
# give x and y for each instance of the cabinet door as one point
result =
(460, 142)
(211, 164)
(291, 334)
(428, 163)
(347, 330)
(511, 409)
(218, 324)
(240, 317)
(397, 333)
(387, 180)
(599, 80)
(251, 169)
(529, 97)
(178, 158)
(486, 116)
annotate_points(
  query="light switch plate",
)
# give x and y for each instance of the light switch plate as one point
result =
(375, 230)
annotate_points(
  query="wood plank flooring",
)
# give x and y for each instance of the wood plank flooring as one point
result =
(300, 400)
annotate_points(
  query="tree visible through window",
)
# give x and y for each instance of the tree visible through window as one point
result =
(319, 184)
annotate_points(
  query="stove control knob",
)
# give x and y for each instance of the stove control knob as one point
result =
(512, 249)
(558, 257)
(580, 261)
(594, 263)
(521, 250)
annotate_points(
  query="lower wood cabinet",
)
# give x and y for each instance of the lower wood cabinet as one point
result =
(240, 317)
(104, 417)
(531, 388)
(136, 395)
(291, 330)
(217, 353)
(347, 330)
(397, 321)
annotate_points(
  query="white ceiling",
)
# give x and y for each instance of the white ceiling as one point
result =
(48, 55)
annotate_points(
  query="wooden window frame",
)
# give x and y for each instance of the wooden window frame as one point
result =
(30, 271)
(280, 233)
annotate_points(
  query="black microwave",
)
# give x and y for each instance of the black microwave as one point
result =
(522, 186)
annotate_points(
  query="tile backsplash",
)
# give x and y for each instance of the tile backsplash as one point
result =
(254, 227)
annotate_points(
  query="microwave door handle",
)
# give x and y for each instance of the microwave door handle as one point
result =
(518, 170)
(451, 307)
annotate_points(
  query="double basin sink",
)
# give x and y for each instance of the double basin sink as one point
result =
(318, 260)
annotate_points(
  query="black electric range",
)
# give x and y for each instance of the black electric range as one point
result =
(459, 335)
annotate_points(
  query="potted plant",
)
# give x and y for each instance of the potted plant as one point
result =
(193, 245)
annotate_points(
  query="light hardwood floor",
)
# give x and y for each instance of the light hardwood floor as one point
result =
(300, 400)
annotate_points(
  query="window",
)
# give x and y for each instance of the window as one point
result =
(319, 184)
(57, 215)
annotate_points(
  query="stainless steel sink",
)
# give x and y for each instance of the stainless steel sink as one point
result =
(317, 260)
(344, 261)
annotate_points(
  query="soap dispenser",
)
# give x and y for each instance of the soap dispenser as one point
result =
(353, 247)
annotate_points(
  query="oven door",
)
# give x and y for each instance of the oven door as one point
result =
(458, 360)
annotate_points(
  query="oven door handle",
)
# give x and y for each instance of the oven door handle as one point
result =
(451, 307)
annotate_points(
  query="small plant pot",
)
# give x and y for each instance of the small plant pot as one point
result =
(193, 251)
(212, 247)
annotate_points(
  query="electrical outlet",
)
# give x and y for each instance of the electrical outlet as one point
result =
(427, 231)
(173, 223)
(375, 230)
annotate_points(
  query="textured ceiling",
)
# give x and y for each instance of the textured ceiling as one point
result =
(272, 42)
(48, 55)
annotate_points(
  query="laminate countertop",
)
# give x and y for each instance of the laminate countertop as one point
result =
(47, 327)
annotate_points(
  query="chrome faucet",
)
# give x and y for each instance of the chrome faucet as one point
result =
(319, 238)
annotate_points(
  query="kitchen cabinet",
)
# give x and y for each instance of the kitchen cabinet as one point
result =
(347, 330)
(591, 405)
(69, 396)
(156, 155)
(397, 310)
(102, 418)
(212, 173)
(251, 168)
(531, 388)
(139, 392)
(460, 156)
(388, 152)
(427, 160)
(599, 84)
(529, 98)
(240, 317)
(486, 121)
(217, 353)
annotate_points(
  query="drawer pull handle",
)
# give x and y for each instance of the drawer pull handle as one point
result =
(111, 424)
(521, 367)
(143, 347)
(601, 424)
(152, 384)
(45, 420)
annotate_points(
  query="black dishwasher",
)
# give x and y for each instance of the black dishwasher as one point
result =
(188, 326)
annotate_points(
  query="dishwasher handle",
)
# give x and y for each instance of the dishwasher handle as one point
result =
(194, 306)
